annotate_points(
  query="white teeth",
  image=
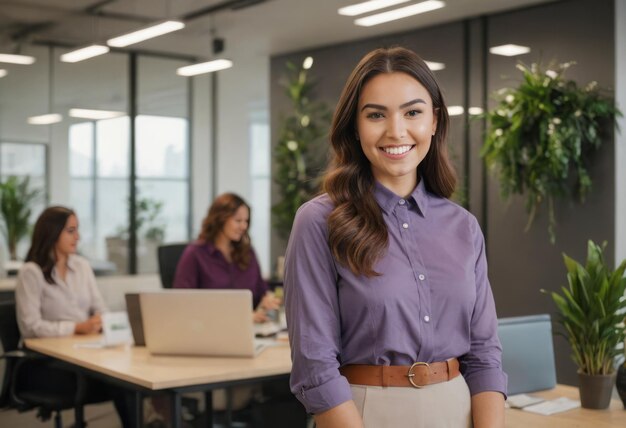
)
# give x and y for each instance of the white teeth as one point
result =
(397, 150)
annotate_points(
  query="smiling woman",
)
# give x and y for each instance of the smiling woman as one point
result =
(386, 287)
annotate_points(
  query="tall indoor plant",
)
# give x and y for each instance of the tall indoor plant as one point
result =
(591, 311)
(541, 135)
(297, 160)
(16, 200)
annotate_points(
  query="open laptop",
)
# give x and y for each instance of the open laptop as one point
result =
(215, 323)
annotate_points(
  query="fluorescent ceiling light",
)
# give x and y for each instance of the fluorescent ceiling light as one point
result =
(84, 113)
(455, 110)
(204, 67)
(400, 13)
(45, 119)
(474, 111)
(145, 34)
(3, 73)
(367, 6)
(435, 66)
(84, 53)
(509, 50)
(17, 59)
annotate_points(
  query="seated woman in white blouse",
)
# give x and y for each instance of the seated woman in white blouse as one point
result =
(56, 295)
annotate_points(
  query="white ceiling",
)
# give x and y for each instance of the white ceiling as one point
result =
(267, 28)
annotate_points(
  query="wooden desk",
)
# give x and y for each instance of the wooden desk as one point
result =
(613, 417)
(136, 369)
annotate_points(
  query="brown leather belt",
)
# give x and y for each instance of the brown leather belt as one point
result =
(418, 375)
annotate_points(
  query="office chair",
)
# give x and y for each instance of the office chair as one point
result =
(527, 353)
(14, 393)
(168, 256)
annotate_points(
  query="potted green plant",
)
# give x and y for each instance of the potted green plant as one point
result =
(297, 163)
(541, 134)
(591, 310)
(16, 200)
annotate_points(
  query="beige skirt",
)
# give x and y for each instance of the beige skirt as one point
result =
(442, 405)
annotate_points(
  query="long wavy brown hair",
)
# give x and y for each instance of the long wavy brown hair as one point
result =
(224, 207)
(358, 234)
(48, 228)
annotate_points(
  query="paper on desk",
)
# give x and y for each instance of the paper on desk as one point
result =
(553, 406)
(519, 401)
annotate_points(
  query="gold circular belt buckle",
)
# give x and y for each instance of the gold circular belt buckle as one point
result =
(411, 375)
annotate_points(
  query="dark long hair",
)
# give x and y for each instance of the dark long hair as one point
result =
(48, 228)
(358, 235)
(224, 207)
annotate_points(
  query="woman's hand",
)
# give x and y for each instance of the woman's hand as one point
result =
(259, 316)
(91, 326)
(270, 302)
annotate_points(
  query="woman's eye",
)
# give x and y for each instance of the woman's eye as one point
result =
(375, 115)
(413, 113)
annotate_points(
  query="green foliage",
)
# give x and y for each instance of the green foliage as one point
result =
(541, 134)
(592, 311)
(16, 200)
(148, 222)
(297, 166)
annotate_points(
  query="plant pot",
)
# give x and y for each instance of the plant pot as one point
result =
(620, 383)
(595, 390)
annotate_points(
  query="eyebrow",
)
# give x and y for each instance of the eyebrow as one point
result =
(381, 107)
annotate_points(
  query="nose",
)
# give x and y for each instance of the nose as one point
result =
(396, 128)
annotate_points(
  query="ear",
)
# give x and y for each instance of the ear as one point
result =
(435, 120)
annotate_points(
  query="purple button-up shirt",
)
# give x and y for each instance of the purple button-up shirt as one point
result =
(204, 266)
(432, 302)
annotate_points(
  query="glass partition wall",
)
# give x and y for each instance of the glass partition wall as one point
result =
(83, 160)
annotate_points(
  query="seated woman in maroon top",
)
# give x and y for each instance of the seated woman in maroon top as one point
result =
(222, 256)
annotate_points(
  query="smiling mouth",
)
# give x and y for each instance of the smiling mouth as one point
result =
(397, 150)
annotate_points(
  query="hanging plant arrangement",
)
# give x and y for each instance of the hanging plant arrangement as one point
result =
(297, 161)
(540, 136)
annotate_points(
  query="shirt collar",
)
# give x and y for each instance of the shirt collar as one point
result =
(389, 200)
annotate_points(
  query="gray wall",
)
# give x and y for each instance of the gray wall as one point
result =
(520, 263)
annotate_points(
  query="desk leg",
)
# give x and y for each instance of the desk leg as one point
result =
(177, 410)
(208, 407)
(137, 409)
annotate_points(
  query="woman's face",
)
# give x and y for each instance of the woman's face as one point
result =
(395, 124)
(68, 239)
(236, 226)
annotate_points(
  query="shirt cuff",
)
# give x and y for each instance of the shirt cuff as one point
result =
(66, 328)
(326, 396)
(493, 379)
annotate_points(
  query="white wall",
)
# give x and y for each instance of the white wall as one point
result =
(620, 137)
(200, 151)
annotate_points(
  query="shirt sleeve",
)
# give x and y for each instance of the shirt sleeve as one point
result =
(187, 269)
(482, 365)
(260, 287)
(28, 297)
(313, 318)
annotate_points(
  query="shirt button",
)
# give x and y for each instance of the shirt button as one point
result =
(426, 318)
(421, 277)
(402, 202)
(405, 225)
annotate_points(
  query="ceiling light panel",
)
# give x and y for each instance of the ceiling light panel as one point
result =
(435, 66)
(83, 113)
(84, 53)
(367, 6)
(455, 110)
(45, 119)
(145, 34)
(509, 50)
(204, 67)
(403, 12)
(17, 59)
(3, 73)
